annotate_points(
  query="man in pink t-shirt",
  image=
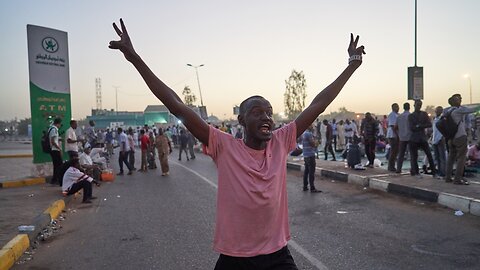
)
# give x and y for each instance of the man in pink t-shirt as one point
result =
(252, 228)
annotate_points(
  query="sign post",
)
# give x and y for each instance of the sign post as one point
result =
(415, 83)
(49, 83)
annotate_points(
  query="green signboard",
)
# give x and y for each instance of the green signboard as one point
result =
(49, 84)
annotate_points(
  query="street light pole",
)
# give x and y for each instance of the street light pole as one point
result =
(415, 32)
(116, 98)
(198, 80)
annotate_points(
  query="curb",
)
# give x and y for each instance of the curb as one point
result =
(17, 156)
(14, 249)
(23, 182)
(455, 202)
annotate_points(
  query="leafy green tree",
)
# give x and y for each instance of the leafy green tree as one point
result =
(295, 94)
(188, 96)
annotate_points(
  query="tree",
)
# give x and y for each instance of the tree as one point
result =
(295, 94)
(189, 97)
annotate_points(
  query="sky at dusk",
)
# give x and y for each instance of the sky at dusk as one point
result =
(248, 48)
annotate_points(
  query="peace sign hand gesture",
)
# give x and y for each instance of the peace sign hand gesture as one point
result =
(124, 44)
(354, 52)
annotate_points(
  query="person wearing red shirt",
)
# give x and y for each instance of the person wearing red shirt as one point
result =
(144, 145)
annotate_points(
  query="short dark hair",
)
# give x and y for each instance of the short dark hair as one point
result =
(243, 105)
(406, 106)
(72, 121)
(57, 120)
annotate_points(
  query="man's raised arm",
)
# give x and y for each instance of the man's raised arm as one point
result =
(327, 95)
(166, 95)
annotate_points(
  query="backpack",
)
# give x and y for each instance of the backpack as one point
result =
(45, 141)
(447, 126)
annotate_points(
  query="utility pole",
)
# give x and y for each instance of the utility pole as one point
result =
(116, 98)
(198, 80)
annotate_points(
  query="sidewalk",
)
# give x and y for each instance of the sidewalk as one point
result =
(457, 197)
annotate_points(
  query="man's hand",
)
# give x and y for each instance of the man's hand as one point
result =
(124, 44)
(352, 47)
(354, 52)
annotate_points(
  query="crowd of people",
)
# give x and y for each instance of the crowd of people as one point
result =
(89, 151)
(403, 134)
(397, 135)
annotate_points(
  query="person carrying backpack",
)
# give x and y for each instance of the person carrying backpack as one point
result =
(458, 144)
(56, 150)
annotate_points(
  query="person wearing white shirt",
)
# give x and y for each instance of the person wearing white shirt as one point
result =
(404, 134)
(74, 180)
(88, 164)
(56, 150)
(71, 145)
(123, 155)
(349, 131)
(392, 137)
(438, 143)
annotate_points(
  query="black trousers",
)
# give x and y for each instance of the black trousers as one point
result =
(279, 260)
(309, 173)
(131, 158)
(122, 158)
(414, 146)
(328, 148)
(393, 153)
(85, 185)
(401, 154)
(370, 146)
(57, 164)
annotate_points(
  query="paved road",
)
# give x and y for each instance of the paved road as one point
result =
(149, 222)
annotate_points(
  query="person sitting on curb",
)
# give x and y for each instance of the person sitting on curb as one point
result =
(473, 155)
(86, 162)
(75, 180)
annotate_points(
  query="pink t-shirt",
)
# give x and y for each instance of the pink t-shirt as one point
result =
(252, 210)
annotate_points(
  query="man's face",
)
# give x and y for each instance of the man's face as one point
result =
(74, 125)
(417, 105)
(395, 108)
(258, 120)
(438, 111)
(457, 100)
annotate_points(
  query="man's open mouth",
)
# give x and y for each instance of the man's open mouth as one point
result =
(265, 129)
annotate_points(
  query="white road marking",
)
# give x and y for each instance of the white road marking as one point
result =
(314, 261)
(307, 255)
(211, 183)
